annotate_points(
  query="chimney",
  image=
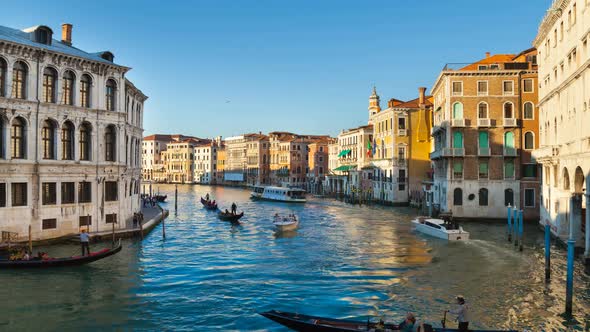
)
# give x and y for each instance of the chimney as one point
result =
(487, 55)
(421, 94)
(66, 33)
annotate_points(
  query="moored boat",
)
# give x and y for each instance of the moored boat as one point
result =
(58, 262)
(285, 223)
(440, 229)
(229, 216)
(161, 198)
(279, 194)
(208, 204)
(299, 322)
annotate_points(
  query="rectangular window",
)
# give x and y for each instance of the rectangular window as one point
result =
(110, 191)
(49, 195)
(509, 169)
(508, 87)
(49, 223)
(2, 194)
(529, 171)
(527, 85)
(401, 123)
(85, 221)
(483, 169)
(482, 67)
(67, 192)
(111, 218)
(19, 194)
(401, 179)
(84, 192)
(457, 88)
(401, 153)
(529, 197)
(458, 169)
(482, 88)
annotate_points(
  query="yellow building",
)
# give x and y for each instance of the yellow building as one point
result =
(178, 159)
(400, 149)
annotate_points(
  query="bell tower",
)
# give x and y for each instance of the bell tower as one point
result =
(374, 106)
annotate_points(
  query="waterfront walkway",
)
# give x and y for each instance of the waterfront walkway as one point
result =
(152, 216)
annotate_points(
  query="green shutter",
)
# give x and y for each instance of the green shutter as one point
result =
(458, 140)
(509, 139)
(509, 168)
(483, 167)
(457, 111)
(458, 167)
(484, 141)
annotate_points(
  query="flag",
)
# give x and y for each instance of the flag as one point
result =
(369, 149)
(374, 147)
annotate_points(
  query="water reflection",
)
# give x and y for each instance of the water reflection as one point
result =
(342, 262)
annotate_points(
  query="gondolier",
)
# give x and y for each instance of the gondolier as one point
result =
(84, 241)
(234, 208)
(462, 312)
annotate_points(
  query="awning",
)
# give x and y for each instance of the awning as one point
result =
(344, 168)
(343, 153)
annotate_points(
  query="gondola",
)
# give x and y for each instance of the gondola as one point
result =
(161, 198)
(58, 262)
(230, 217)
(208, 205)
(299, 322)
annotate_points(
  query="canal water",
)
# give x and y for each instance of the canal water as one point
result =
(344, 261)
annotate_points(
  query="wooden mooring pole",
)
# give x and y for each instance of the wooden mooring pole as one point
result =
(30, 240)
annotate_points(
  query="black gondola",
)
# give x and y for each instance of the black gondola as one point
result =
(299, 322)
(230, 217)
(208, 204)
(58, 262)
(161, 198)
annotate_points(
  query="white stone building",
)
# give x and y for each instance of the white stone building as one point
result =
(152, 165)
(70, 133)
(564, 98)
(205, 155)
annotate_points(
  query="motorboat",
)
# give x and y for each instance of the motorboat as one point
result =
(300, 322)
(440, 228)
(279, 194)
(285, 223)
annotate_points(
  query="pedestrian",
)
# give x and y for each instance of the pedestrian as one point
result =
(84, 241)
(134, 220)
(462, 312)
(234, 208)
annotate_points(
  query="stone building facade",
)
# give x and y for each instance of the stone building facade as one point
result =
(153, 168)
(564, 99)
(178, 159)
(485, 128)
(71, 129)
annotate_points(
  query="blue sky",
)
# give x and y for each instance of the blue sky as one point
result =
(228, 67)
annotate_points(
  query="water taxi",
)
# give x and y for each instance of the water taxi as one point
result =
(285, 223)
(440, 229)
(279, 194)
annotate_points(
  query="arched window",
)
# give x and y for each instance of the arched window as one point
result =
(457, 140)
(529, 111)
(484, 139)
(483, 197)
(529, 141)
(509, 140)
(3, 67)
(19, 80)
(67, 141)
(457, 197)
(110, 141)
(111, 90)
(18, 134)
(457, 111)
(482, 111)
(508, 110)
(48, 138)
(85, 139)
(85, 84)
(49, 79)
(68, 88)
(508, 197)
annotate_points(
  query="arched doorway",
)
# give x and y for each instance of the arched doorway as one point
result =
(565, 179)
(579, 181)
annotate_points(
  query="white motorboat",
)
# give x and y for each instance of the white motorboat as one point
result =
(440, 229)
(280, 194)
(285, 223)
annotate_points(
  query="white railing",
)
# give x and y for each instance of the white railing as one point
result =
(509, 122)
(458, 152)
(401, 132)
(509, 152)
(484, 122)
(458, 123)
(484, 152)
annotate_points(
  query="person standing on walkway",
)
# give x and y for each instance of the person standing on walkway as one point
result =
(462, 312)
(234, 208)
(84, 241)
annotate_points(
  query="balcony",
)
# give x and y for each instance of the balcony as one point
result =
(458, 123)
(510, 122)
(443, 152)
(401, 132)
(510, 152)
(484, 122)
(400, 162)
(484, 152)
(458, 152)
(546, 152)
